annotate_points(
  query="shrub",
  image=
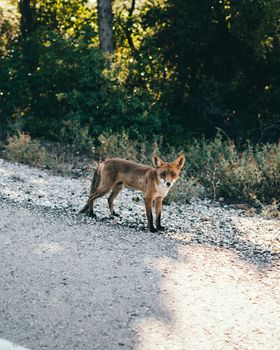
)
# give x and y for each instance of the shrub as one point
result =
(72, 133)
(20, 148)
(213, 168)
(185, 189)
(69, 84)
(268, 160)
(236, 175)
(121, 145)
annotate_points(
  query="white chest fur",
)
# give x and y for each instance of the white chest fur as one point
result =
(162, 189)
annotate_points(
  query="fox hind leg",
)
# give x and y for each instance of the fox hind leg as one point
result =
(116, 190)
(84, 209)
(92, 198)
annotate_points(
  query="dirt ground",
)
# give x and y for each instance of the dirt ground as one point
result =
(69, 282)
(215, 301)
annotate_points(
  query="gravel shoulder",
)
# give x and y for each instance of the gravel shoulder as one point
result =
(71, 282)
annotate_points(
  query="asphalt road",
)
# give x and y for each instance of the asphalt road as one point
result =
(69, 284)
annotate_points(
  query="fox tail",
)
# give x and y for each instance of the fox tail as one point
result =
(94, 185)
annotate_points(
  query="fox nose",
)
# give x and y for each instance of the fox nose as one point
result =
(168, 184)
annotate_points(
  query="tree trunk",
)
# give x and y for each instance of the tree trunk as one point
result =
(27, 21)
(105, 28)
(1, 18)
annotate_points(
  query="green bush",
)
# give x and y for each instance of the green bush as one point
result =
(121, 145)
(268, 160)
(72, 132)
(236, 175)
(71, 92)
(213, 168)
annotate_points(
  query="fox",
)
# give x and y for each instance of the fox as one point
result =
(155, 182)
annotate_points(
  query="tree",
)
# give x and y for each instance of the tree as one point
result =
(75, 19)
(105, 28)
(27, 22)
(9, 24)
(220, 57)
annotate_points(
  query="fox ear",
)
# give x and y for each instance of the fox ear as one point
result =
(179, 162)
(157, 162)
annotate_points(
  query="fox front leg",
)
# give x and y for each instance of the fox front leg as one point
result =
(159, 201)
(148, 205)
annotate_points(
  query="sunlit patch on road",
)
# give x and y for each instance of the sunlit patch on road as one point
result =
(7, 345)
(215, 301)
(49, 248)
(262, 232)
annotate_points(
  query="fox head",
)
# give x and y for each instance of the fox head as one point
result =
(168, 173)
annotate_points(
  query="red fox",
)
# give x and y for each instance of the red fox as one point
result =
(114, 173)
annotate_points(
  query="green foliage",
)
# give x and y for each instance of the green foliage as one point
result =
(185, 189)
(72, 133)
(234, 175)
(71, 19)
(122, 146)
(9, 24)
(68, 86)
(268, 160)
(181, 70)
(213, 169)
(68, 92)
(218, 64)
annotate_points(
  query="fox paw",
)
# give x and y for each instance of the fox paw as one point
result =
(92, 215)
(161, 228)
(153, 229)
(115, 214)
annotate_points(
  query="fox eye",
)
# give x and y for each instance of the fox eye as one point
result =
(163, 174)
(172, 174)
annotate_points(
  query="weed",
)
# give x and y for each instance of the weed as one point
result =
(20, 148)
(213, 168)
